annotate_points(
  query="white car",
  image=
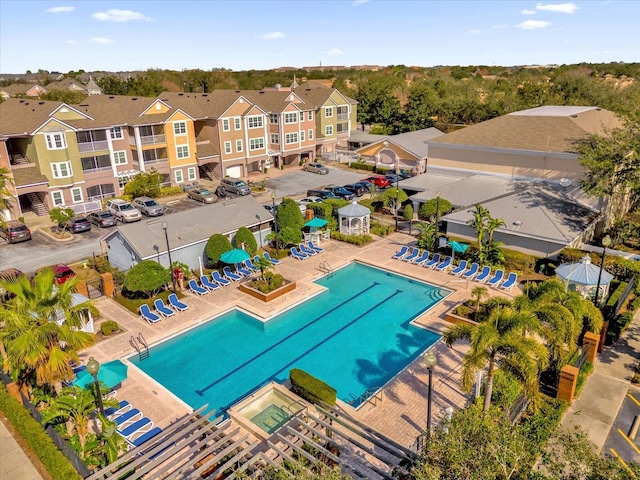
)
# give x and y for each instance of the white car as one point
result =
(306, 200)
(123, 210)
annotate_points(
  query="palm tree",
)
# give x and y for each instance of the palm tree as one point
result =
(426, 234)
(479, 224)
(74, 406)
(478, 293)
(504, 341)
(5, 191)
(41, 335)
(492, 225)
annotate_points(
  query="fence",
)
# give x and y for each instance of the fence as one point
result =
(623, 297)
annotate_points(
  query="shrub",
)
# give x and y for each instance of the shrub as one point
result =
(505, 389)
(101, 265)
(463, 311)
(269, 282)
(363, 166)
(147, 277)
(353, 239)
(428, 209)
(289, 236)
(244, 238)
(310, 388)
(321, 210)
(368, 202)
(407, 213)
(615, 296)
(617, 326)
(390, 194)
(380, 229)
(109, 327)
(166, 191)
(133, 304)
(144, 184)
(518, 261)
(336, 204)
(216, 246)
(570, 255)
(585, 371)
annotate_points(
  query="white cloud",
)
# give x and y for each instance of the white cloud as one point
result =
(357, 3)
(61, 9)
(334, 51)
(500, 27)
(115, 15)
(72, 42)
(528, 12)
(101, 40)
(475, 32)
(532, 24)
(272, 36)
(558, 7)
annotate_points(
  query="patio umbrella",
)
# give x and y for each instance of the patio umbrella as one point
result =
(237, 255)
(316, 222)
(457, 247)
(110, 373)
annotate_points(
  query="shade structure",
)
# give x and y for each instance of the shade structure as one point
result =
(583, 273)
(458, 247)
(237, 255)
(110, 373)
(316, 222)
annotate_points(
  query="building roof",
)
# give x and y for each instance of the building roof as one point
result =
(29, 175)
(416, 142)
(66, 84)
(543, 129)
(354, 210)
(359, 136)
(583, 272)
(185, 228)
(26, 115)
(20, 88)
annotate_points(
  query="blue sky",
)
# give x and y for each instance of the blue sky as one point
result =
(241, 35)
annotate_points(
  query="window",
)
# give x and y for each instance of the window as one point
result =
(255, 121)
(275, 138)
(55, 141)
(291, 138)
(310, 134)
(273, 118)
(183, 151)
(328, 130)
(225, 125)
(227, 147)
(76, 194)
(178, 176)
(256, 143)
(310, 117)
(180, 128)
(237, 123)
(191, 173)
(291, 117)
(302, 135)
(328, 112)
(116, 133)
(57, 198)
(238, 145)
(61, 170)
(120, 158)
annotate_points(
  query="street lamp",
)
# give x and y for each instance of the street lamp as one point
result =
(397, 199)
(437, 220)
(275, 220)
(93, 367)
(606, 241)
(259, 228)
(430, 360)
(166, 237)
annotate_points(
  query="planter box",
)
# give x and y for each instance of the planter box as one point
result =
(267, 297)
(458, 320)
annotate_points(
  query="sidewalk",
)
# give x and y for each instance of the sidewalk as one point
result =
(602, 395)
(14, 463)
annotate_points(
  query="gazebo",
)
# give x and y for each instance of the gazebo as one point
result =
(354, 219)
(582, 277)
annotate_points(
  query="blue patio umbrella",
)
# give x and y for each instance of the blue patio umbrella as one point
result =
(110, 373)
(457, 247)
(237, 255)
(316, 222)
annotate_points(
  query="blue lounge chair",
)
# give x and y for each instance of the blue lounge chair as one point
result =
(422, 258)
(496, 279)
(230, 275)
(223, 282)
(472, 272)
(127, 418)
(112, 412)
(208, 284)
(306, 250)
(511, 280)
(414, 254)
(484, 274)
(177, 304)
(136, 440)
(433, 262)
(297, 255)
(315, 247)
(242, 270)
(140, 426)
(445, 264)
(147, 314)
(195, 288)
(400, 253)
(459, 269)
(250, 266)
(162, 309)
(272, 260)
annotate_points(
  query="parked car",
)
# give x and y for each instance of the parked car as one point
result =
(306, 200)
(323, 194)
(380, 182)
(61, 273)
(202, 195)
(190, 186)
(341, 192)
(123, 210)
(102, 219)
(393, 178)
(78, 224)
(357, 189)
(148, 206)
(368, 186)
(14, 231)
(315, 168)
(8, 274)
(234, 185)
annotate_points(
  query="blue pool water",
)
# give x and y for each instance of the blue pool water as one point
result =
(356, 336)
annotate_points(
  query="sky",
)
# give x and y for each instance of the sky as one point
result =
(243, 35)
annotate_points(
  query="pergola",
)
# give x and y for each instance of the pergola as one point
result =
(585, 278)
(354, 219)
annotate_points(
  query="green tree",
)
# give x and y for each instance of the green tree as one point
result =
(504, 341)
(407, 214)
(61, 216)
(147, 277)
(145, 184)
(392, 197)
(478, 293)
(491, 226)
(429, 208)
(418, 111)
(377, 102)
(6, 185)
(216, 246)
(479, 223)
(427, 234)
(290, 222)
(245, 239)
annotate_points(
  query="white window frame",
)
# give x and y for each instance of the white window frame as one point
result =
(290, 138)
(275, 139)
(52, 142)
(57, 167)
(328, 112)
(180, 128)
(119, 156)
(226, 126)
(191, 174)
(302, 135)
(237, 123)
(116, 133)
(273, 118)
(238, 146)
(310, 117)
(255, 121)
(77, 190)
(177, 174)
(310, 136)
(328, 130)
(227, 147)
(290, 117)
(182, 151)
(57, 203)
(256, 143)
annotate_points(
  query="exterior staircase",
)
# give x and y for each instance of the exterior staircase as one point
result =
(37, 204)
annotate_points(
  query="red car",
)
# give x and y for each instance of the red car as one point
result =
(380, 182)
(61, 273)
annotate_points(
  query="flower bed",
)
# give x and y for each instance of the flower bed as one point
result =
(272, 295)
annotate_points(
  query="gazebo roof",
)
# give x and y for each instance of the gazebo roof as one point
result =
(354, 210)
(583, 272)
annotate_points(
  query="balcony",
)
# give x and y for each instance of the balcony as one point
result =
(151, 161)
(89, 171)
(93, 146)
(149, 140)
(343, 116)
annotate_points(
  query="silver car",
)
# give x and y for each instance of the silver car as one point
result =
(123, 210)
(234, 185)
(148, 206)
(202, 195)
(315, 168)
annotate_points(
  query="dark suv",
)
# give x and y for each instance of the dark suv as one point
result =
(341, 192)
(323, 194)
(78, 224)
(14, 231)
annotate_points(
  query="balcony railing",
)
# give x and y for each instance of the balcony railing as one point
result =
(93, 146)
(96, 170)
(343, 116)
(155, 160)
(152, 139)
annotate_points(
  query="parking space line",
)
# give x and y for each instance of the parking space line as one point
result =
(622, 462)
(629, 440)
(634, 399)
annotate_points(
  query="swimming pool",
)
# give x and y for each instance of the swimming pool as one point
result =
(356, 336)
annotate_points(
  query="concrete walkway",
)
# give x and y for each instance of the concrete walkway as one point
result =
(606, 388)
(14, 463)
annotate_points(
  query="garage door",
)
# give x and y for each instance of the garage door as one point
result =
(234, 171)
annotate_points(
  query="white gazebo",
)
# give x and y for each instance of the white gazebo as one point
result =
(583, 277)
(354, 219)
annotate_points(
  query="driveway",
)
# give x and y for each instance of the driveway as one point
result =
(297, 182)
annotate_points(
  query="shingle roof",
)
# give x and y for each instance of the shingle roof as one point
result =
(18, 88)
(206, 150)
(416, 142)
(192, 226)
(20, 116)
(202, 105)
(28, 176)
(544, 129)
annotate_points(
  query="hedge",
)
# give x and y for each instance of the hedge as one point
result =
(310, 388)
(34, 435)
(353, 239)
(362, 166)
(617, 326)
